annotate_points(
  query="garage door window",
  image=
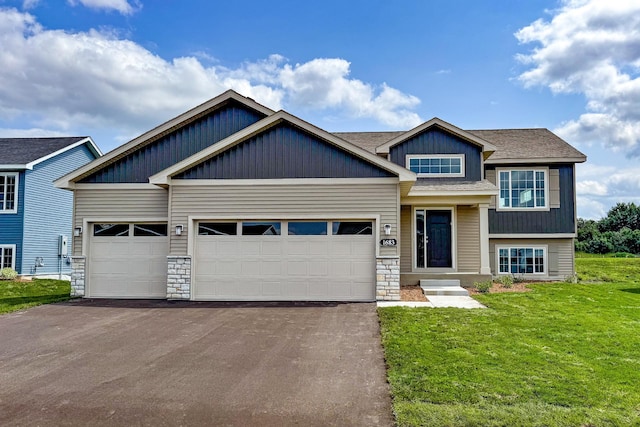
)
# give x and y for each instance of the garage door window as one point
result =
(217, 229)
(113, 230)
(150, 229)
(352, 227)
(261, 228)
(316, 228)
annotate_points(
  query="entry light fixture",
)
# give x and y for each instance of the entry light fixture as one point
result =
(387, 229)
(77, 231)
(179, 228)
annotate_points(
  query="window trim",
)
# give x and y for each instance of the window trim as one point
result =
(13, 255)
(545, 259)
(547, 200)
(409, 157)
(16, 175)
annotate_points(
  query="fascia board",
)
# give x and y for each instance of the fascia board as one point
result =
(12, 167)
(92, 146)
(544, 160)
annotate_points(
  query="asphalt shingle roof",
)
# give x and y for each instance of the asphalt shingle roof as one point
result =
(20, 151)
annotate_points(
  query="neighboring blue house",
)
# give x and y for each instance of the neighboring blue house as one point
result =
(33, 213)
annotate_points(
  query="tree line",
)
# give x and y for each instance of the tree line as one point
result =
(619, 231)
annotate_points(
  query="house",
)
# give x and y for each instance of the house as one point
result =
(233, 201)
(35, 217)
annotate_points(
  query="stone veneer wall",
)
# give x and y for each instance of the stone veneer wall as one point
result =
(78, 264)
(179, 277)
(388, 279)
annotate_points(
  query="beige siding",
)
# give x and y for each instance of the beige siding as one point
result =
(117, 204)
(468, 243)
(554, 188)
(406, 248)
(560, 255)
(490, 175)
(282, 201)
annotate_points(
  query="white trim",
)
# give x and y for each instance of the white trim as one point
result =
(547, 198)
(483, 217)
(87, 232)
(539, 160)
(454, 239)
(13, 255)
(409, 157)
(16, 200)
(485, 145)
(92, 146)
(545, 257)
(416, 192)
(533, 236)
(115, 186)
(285, 181)
(12, 168)
(67, 180)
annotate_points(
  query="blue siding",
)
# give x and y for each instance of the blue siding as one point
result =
(179, 144)
(11, 225)
(437, 141)
(284, 151)
(48, 210)
(557, 220)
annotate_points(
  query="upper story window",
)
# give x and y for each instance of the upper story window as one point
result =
(8, 192)
(523, 189)
(436, 165)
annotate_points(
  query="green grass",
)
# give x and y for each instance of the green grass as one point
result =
(561, 355)
(18, 295)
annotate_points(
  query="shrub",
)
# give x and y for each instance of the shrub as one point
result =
(8, 274)
(483, 287)
(506, 281)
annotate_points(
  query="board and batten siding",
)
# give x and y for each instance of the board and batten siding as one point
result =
(12, 225)
(560, 255)
(125, 204)
(275, 202)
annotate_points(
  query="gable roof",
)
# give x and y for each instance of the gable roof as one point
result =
(68, 181)
(529, 146)
(25, 153)
(164, 177)
(436, 122)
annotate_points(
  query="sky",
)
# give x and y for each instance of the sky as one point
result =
(113, 69)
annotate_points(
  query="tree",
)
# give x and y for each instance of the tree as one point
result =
(620, 216)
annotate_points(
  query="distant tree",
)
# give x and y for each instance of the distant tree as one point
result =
(620, 216)
(619, 231)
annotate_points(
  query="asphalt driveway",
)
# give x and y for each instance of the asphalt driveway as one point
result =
(107, 362)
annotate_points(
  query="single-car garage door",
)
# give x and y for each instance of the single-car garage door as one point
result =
(285, 261)
(128, 261)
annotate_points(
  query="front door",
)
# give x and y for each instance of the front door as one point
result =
(433, 239)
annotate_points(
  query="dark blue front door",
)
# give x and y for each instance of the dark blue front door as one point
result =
(433, 239)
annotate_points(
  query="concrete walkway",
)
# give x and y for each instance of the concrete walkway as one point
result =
(436, 301)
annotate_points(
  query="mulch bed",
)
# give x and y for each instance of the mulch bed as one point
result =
(414, 292)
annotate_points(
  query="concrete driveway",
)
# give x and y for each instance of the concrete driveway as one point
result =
(106, 362)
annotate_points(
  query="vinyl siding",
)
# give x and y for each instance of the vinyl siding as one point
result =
(12, 225)
(138, 166)
(436, 141)
(560, 218)
(329, 201)
(118, 205)
(560, 255)
(284, 151)
(406, 241)
(468, 239)
(49, 210)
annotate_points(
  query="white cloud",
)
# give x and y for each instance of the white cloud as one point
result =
(31, 133)
(600, 187)
(30, 4)
(591, 47)
(66, 80)
(123, 6)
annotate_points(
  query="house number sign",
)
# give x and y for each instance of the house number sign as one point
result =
(388, 242)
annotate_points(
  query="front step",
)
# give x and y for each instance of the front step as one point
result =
(442, 287)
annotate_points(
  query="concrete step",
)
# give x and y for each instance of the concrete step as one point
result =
(442, 287)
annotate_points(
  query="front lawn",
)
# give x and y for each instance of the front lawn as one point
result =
(561, 355)
(16, 295)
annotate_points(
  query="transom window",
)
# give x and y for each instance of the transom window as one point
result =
(523, 189)
(521, 260)
(436, 165)
(8, 192)
(7, 259)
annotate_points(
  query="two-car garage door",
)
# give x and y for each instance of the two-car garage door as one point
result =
(285, 260)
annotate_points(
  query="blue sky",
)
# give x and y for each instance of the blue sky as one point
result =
(113, 69)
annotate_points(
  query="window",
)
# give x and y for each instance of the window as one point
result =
(7, 258)
(150, 229)
(523, 189)
(521, 260)
(8, 192)
(111, 230)
(261, 228)
(352, 227)
(217, 229)
(440, 165)
(316, 228)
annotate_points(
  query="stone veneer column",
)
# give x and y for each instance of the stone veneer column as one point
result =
(78, 264)
(388, 278)
(179, 277)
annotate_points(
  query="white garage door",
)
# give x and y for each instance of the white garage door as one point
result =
(285, 261)
(128, 261)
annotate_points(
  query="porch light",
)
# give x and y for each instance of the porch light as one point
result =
(179, 228)
(387, 229)
(77, 231)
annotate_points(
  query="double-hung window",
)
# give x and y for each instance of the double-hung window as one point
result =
(522, 260)
(436, 165)
(8, 192)
(7, 256)
(523, 189)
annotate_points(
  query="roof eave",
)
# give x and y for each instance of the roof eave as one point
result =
(13, 167)
(491, 161)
